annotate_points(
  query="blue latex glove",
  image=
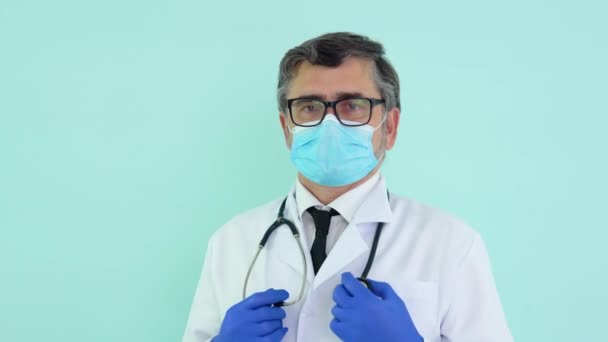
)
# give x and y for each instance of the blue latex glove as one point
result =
(254, 319)
(376, 315)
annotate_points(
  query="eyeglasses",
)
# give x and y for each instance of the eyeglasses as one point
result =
(352, 111)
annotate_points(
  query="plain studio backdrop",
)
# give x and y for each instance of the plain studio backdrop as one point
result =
(131, 130)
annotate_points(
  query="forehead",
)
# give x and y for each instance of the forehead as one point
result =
(354, 75)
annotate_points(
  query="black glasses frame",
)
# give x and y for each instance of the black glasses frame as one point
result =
(372, 103)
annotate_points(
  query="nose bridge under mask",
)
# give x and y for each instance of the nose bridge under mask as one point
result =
(329, 117)
(332, 118)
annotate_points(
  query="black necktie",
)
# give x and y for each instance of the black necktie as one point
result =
(322, 219)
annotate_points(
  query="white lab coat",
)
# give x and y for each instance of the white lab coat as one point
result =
(435, 262)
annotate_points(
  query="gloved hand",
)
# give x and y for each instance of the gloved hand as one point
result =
(375, 314)
(254, 319)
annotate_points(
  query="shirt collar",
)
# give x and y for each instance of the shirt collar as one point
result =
(347, 204)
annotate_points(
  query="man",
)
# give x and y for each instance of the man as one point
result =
(425, 275)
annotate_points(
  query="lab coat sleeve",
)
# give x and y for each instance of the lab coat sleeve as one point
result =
(474, 311)
(205, 318)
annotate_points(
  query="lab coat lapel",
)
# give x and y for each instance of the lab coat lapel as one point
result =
(356, 240)
(349, 247)
(284, 251)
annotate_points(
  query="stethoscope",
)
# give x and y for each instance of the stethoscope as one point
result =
(281, 220)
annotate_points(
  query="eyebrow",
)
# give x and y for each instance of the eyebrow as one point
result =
(338, 96)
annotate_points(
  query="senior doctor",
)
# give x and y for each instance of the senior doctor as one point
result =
(429, 278)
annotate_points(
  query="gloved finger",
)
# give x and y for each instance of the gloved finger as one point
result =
(266, 327)
(339, 313)
(276, 335)
(339, 328)
(352, 285)
(341, 297)
(267, 313)
(265, 298)
(382, 289)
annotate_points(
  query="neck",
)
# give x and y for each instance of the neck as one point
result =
(327, 194)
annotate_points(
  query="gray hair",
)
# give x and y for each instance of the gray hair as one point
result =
(331, 50)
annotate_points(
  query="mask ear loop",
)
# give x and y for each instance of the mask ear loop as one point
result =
(380, 125)
(381, 122)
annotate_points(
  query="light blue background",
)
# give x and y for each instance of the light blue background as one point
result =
(131, 130)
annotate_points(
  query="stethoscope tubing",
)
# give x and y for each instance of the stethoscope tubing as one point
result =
(281, 220)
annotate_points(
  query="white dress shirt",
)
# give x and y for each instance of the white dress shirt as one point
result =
(347, 205)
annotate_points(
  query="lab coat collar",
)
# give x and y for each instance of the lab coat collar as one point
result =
(376, 206)
(347, 204)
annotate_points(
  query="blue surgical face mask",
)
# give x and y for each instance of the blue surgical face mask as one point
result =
(332, 154)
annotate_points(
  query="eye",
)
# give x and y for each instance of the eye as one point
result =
(353, 105)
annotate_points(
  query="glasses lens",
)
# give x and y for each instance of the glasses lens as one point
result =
(307, 112)
(354, 112)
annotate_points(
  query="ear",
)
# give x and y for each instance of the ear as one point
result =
(392, 125)
(286, 133)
